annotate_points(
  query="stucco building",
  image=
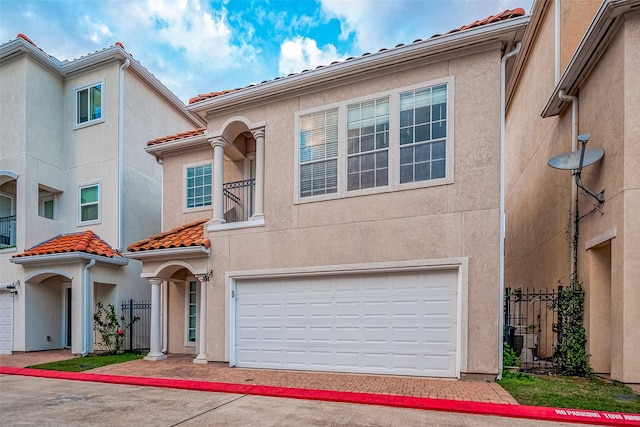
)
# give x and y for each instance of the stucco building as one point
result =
(346, 218)
(577, 74)
(74, 188)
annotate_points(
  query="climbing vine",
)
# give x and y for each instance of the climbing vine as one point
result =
(571, 356)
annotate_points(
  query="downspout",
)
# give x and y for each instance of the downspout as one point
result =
(86, 308)
(557, 42)
(574, 190)
(503, 112)
(121, 154)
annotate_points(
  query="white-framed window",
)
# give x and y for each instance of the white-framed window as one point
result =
(47, 207)
(89, 203)
(318, 142)
(387, 141)
(88, 104)
(191, 301)
(198, 188)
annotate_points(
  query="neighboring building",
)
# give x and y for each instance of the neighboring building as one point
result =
(587, 50)
(74, 188)
(346, 218)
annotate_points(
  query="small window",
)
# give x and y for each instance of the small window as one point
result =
(199, 186)
(319, 153)
(46, 207)
(90, 203)
(191, 311)
(89, 104)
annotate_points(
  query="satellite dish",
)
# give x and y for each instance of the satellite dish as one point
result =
(571, 161)
(577, 160)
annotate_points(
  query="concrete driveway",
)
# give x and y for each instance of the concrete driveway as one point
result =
(53, 402)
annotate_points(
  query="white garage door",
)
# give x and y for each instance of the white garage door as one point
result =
(401, 323)
(6, 322)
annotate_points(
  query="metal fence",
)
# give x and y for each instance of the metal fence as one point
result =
(238, 200)
(7, 231)
(138, 337)
(531, 327)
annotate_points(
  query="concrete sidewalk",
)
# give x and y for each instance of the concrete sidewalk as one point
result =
(182, 367)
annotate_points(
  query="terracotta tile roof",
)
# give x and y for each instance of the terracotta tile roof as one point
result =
(187, 235)
(503, 16)
(87, 242)
(181, 135)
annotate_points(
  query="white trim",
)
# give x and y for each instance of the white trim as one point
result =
(460, 264)
(89, 122)
(187, 285)
(394, 144)
(9, 173)
(49, 272)
(41, 205)
(169, 253)
(88, 184)
(68, 258)
(250, 223)
(600, 238)
(173, 263)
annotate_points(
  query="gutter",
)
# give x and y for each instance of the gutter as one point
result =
(86, 308)
(121, 154)
(169, 253)
(503, 112)
(593, 45)
(66, 258)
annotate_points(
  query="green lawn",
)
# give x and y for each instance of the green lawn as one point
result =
(570, 392)
(78, 364)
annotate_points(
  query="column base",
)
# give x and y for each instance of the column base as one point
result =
(154, 357)
(201, 360)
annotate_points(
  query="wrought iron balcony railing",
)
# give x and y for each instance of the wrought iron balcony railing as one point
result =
(239, 200)
(7, 231)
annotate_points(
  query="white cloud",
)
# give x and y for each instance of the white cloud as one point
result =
(302, 53)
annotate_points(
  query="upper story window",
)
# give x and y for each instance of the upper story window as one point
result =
(88, 102)
(423, 133)
(385, 142)
(319, 153)
(368, 144)
(89, 203)
(198, 186)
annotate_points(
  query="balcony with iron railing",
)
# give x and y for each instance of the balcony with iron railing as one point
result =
(239, 200)
(7, 231)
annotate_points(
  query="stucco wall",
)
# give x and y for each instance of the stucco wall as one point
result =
(538, 254)
(456, 220)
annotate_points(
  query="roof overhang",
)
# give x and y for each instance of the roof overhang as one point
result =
(508, 32)
(68, 258)
(66, 69)
(593, 45)
(169, 253)
(159, 150)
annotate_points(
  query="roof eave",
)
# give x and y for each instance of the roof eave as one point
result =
(158, 150)
(173, 253)
(591, 48)
(68, 257)
(508, 31)
(20, 46)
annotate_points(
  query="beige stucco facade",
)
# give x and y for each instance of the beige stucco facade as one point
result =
(452, 223)
(45, 154)
(538, 198)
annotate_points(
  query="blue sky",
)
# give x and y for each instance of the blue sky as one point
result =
(198, 46)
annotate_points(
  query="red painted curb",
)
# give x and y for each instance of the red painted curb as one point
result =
(496, 409)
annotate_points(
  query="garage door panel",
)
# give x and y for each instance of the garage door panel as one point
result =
(402, 323)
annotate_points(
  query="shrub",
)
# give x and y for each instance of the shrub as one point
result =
(509, 357)
(112, 329)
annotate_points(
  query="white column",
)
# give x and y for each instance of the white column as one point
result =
(259, 201)
(218, 145)
(202, 327)
(155, 352)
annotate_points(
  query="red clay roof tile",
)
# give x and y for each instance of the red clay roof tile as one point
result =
(187, 235)
(181, 135)
(503, 16)
(87, 242)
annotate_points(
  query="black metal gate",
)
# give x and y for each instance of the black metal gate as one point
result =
(531, 327)
(138, 337)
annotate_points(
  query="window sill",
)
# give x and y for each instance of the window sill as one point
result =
(87, 124)
(8, 250)
(256, 222)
